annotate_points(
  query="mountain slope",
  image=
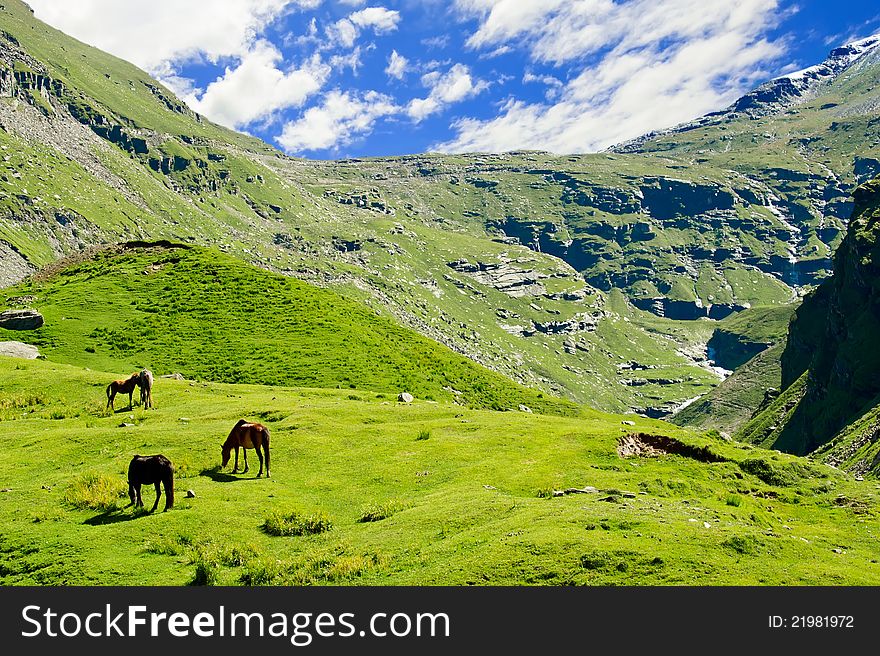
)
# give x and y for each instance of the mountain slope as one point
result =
(95, 152)
(559, 250)
(830, 364)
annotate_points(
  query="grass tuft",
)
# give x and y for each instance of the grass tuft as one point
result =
(380, 511)
(95, 492)
(297, 523)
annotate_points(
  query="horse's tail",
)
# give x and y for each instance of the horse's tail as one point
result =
(169, 490)
(266, 448)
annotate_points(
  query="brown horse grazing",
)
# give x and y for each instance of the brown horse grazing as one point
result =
(247, 435)
(148, 470)
(145, 382)
(126, 386)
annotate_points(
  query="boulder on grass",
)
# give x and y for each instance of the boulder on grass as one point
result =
(21, 319)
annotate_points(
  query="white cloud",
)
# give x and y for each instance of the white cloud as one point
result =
(554, 85)
(152, 33)
(397, 65)
(439, 42)
(160, 35)
(352, 60)
(647, 65)
(455, 85)
(340, 119)
(257, 87)
(379, 19)
(345, 31)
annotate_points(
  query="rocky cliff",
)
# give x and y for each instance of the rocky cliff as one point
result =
(832, 357)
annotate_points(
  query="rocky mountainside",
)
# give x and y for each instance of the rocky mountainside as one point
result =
(773, 97)
(598, 277)
(831, 390)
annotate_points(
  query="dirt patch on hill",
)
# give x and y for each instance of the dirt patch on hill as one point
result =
(645, 445)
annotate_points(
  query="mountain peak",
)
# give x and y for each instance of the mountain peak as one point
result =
(775, 95)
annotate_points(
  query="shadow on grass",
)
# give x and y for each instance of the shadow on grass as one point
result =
(218, 476)
(119, 411)
(115, 515)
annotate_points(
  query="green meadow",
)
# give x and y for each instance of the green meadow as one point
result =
(366, 490)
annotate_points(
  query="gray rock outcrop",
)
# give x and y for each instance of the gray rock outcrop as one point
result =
(21, 319)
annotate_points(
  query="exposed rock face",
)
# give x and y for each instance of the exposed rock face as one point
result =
(665, 198)
(366, 200)
(730, 350)
(13, 266)
(21, 319)
(834, 336)
(686, 310)
(577, 324)
(503, 277)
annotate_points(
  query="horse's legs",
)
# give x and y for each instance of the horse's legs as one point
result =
(139, 503)
(245, 470)
(130, 394)
(259, 451)
(235, 469)
(158, 492)
(266, 449)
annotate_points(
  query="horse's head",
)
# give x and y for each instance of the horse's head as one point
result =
(225, 452)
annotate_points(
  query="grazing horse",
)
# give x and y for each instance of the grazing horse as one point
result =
(146, 470)
(122, 387)
(247, 435)
(145, 382)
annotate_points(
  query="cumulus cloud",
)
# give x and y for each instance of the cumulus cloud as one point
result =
(647, 65)
(257, 87)
(455, 85)
(340, 119)
(346, 30)
(160, 35)
(397, 65)
(152, 33)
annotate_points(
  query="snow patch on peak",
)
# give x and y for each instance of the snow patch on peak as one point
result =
(839, 59)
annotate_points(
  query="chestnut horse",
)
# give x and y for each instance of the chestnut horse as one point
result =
(122, 387)
(247, 435)
(148, 470)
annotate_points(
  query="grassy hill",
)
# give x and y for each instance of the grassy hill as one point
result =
(458, 496)
(207, 315)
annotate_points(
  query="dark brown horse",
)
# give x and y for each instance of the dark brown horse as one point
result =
(247, 435)
(126, 386)
(156, 470)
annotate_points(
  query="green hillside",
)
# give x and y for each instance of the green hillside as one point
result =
(456, 496)
(730, 405)
(209, 316)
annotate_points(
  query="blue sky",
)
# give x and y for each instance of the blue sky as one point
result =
(354, 78)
